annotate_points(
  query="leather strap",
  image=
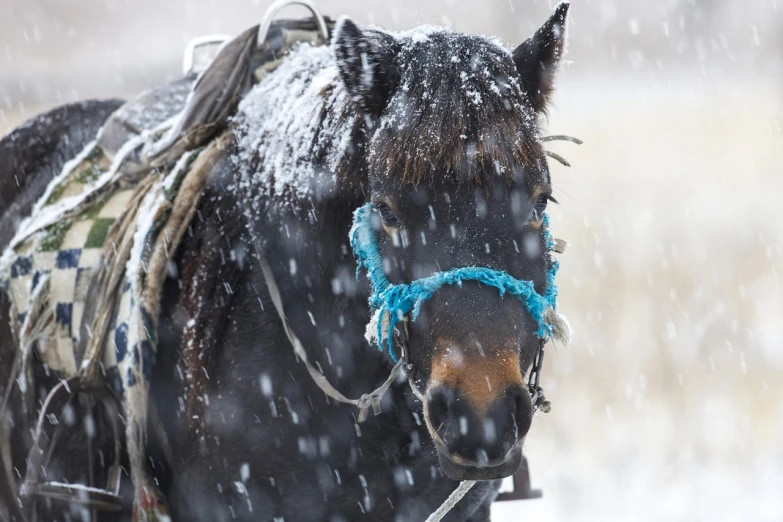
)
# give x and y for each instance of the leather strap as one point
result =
(366, 401)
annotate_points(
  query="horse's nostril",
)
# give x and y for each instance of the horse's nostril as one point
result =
(441, 401)
(521, 413)
(517, 396)
(518, 410)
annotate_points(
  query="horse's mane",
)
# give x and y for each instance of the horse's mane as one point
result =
(296, 122)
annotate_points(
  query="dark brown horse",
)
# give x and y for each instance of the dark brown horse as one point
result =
(441, 132)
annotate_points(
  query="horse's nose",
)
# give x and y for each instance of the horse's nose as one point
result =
(479, 438)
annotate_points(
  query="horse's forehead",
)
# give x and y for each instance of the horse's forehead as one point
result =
(456, 57)
(472, 198)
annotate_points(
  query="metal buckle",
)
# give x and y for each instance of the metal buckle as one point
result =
(266, 23)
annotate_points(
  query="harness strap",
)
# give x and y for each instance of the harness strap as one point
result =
(367, 400)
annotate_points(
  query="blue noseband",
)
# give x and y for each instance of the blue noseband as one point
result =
(400, 299)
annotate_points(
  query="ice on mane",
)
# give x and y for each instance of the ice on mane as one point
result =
(297, 110)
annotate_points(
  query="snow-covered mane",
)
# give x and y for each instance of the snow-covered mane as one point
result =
(293, 128)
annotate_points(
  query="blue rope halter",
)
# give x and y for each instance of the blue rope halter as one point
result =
(400, 299)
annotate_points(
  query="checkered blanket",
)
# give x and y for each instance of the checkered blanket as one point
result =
(84, 276)
(55, 266)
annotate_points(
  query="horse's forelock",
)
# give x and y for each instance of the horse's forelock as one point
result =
(459, 114)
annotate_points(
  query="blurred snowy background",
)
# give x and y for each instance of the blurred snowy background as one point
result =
(669, 404)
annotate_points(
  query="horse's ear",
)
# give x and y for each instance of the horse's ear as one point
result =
(538, 57)
(365, 60)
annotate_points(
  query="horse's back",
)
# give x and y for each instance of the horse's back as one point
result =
(33, 153)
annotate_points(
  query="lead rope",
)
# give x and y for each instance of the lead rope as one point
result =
(372, 399)
(450, 502)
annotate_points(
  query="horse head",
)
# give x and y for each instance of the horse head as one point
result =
(458, 177)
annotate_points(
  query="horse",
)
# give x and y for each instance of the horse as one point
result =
(435, 133)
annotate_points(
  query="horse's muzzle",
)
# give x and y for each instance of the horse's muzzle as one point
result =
(457, 469)
(478, 440)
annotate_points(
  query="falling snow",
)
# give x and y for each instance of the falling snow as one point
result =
(668, 406)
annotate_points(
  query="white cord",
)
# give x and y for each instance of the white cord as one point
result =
(450, 502)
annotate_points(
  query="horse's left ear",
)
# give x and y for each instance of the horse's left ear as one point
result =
(365, 60)
(538, 57)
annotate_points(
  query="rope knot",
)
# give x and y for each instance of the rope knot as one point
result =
(367, 401)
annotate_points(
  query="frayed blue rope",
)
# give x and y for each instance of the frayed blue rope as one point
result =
(400, 299)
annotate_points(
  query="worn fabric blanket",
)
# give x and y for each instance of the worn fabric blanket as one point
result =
(85, 275)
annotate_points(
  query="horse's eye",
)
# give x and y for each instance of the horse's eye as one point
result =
(390, 219)
(539, 208)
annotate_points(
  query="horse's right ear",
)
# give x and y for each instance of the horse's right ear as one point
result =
(365, 60)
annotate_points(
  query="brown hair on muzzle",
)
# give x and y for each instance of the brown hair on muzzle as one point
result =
(477, 406)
